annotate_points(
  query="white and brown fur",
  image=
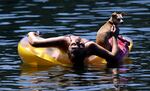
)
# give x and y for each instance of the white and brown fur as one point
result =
(111, 26)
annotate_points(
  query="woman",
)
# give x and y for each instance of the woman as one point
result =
(77, 48)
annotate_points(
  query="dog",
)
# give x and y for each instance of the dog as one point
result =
(109, 28)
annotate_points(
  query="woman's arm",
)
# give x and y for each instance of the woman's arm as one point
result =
(114, 46)
(98, 50)
(55, 41)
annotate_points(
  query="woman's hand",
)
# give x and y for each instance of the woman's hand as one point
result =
(114, 31)
(32, 37)
(33, 34)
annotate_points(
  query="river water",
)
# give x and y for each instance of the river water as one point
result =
(79, 17)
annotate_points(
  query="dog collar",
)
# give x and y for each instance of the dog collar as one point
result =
(111, 23)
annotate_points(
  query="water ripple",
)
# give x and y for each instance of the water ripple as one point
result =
(82, 18)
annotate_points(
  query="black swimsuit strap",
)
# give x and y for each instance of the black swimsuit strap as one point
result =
(69, 35)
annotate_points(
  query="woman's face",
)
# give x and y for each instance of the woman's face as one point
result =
(76, 47)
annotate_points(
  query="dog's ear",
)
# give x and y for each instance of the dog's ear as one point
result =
(123, 14)
(114, 14)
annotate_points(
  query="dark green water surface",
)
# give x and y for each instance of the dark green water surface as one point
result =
(79, 17)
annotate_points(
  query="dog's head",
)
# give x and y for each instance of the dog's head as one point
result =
(117, 18)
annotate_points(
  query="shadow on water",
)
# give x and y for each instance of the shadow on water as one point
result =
(92, 78)
(79, 17)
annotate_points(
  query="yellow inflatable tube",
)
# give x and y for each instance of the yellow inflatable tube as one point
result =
(37, 57)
